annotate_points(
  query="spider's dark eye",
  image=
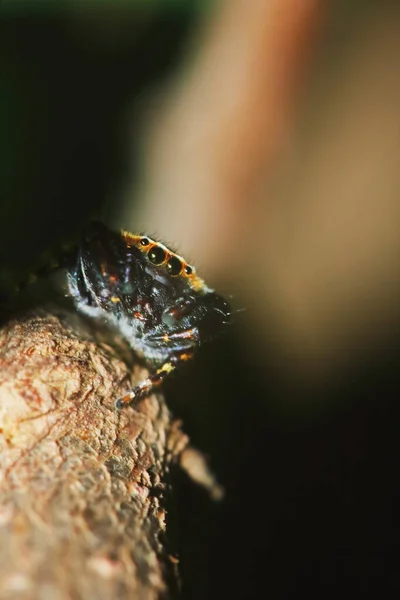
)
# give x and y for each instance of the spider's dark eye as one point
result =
(174, 266)
(144, 242)
(188, 270)
(156, 255)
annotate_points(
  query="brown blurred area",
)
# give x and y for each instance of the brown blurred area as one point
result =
(272, 162)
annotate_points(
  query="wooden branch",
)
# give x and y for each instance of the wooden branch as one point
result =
(82, 487)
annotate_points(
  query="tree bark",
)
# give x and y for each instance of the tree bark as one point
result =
(82, 486)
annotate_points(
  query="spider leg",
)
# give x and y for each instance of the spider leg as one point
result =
(177, 341)
(145, 387)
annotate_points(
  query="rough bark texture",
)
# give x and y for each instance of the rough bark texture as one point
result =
(82, 487)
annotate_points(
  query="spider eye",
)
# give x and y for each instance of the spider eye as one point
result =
(174, 266)
(144, 241)
(188, 270)
(156, 255)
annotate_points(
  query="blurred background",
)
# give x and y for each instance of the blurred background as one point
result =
(262, 140)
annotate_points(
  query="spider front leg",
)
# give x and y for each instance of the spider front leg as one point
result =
(185, 326)
(144, 389)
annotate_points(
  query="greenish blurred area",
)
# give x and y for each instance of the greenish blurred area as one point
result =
(53, 6)
(70, 76)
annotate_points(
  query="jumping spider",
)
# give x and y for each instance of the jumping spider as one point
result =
(153, 297)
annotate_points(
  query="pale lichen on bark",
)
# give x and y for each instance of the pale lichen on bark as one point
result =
(82, 487)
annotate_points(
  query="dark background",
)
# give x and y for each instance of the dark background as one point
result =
(311, 493)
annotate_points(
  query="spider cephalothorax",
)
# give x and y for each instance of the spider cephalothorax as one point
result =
(151, 294)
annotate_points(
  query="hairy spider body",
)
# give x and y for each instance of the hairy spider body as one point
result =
(150, 293)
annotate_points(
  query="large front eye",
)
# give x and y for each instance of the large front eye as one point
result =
(156, 255)
(174, 266)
